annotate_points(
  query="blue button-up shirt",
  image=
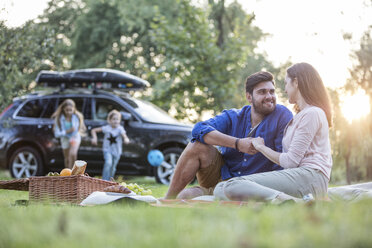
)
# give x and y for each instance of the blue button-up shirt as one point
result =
(237, 123)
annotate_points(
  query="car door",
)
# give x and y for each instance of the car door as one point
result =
(54, 157)
(36, 127)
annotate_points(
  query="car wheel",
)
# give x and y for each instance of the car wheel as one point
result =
(164, 172)
(25, 162)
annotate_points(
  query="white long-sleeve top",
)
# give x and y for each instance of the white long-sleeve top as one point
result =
(61, 131)
(306, 142)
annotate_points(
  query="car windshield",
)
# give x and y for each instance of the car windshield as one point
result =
(150, 112)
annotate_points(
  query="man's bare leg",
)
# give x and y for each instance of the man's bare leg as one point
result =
(196, 156)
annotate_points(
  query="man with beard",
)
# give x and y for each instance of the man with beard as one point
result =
(221, 147)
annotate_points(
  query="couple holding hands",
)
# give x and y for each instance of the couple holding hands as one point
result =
(261, 151)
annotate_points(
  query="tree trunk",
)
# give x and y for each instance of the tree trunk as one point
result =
(369, 167)
(348, 169)
(219, 17)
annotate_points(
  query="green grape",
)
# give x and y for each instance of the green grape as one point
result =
(139, 190)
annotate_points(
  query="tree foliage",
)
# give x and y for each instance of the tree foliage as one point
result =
(361, 77)
(346, 144)
(192, 68)
(361, 73)
(24, 52)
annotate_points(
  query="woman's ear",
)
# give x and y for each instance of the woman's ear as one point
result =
(295, 82)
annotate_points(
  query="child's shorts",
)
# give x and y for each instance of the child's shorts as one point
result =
(66, 141)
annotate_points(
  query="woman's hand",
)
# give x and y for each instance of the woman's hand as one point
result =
(71, 130)
(245, 145)
(258, 143)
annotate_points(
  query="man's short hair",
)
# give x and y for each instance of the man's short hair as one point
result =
(256, 78)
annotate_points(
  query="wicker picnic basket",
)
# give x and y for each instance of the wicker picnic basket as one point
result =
(71, 189)
(68, 189)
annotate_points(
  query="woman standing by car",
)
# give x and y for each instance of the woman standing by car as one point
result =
(306, 156)
(68, 126)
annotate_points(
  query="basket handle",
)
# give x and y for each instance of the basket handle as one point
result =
(16, 184)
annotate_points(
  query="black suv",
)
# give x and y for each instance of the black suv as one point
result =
(28, 147)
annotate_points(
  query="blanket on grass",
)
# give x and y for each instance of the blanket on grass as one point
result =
(101, 198)
(348, 193)
(351, 193)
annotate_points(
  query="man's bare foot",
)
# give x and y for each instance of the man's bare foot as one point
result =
(190, 193)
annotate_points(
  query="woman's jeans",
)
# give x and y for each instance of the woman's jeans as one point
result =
(267, 186)
(109, 169)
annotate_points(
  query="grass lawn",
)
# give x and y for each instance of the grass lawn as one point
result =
(256, 225)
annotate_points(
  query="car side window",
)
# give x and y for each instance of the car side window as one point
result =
(104, 106)
(33, 108)
(83, 105)
(50, 108)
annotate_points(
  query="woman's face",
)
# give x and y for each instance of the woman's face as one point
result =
(291, 89)
(68, 110)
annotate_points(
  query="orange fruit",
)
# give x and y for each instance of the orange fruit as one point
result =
(65, 172)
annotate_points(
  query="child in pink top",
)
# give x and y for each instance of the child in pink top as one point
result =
(306, 156)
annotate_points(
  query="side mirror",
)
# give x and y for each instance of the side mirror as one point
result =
(125, 116)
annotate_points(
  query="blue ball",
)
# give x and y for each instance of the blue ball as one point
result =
(155, 157)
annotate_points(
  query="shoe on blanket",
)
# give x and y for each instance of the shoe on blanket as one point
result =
(284, 199)
(308, 198)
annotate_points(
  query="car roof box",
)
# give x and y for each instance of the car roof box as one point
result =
(91, 78)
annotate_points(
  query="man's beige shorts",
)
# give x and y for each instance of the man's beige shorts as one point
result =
(209, 177)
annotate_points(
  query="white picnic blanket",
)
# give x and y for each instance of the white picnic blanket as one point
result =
(351, 193)
(348, 193)
(99, 198)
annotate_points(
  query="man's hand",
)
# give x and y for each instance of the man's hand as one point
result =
(245, 145)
